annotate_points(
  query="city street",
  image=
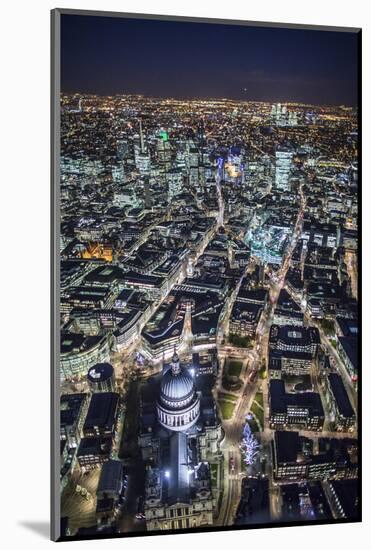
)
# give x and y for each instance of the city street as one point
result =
(183, 259)
(233, 428)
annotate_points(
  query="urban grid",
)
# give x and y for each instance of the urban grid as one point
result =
(208, 276)
(208, 301)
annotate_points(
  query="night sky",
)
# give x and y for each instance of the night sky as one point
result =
(107, 55)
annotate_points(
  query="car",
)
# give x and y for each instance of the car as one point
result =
(140, 506)
(252, 376)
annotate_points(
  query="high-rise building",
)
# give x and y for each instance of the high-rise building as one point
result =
(118, 173)
(164, 152)
(175, 182)
(283, 169)
(141, 137)
(142, 161)
(141, 154)
(280, 116)
(122, 149)
(201, 135)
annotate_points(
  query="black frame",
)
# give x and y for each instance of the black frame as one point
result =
(55, 271)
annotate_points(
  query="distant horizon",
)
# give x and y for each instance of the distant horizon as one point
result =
(282, 102)
(181, 59)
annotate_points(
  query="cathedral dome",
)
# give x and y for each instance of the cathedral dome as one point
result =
(177, 389)
(178, 407)
(177, 386)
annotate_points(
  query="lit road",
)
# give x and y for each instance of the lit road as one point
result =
(230, 447)
(277, 283)
(232, 484)
(233, 428)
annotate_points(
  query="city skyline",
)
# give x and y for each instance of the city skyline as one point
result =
(209, 282)
(208, 100)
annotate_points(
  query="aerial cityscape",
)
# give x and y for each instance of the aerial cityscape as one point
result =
(208, 311)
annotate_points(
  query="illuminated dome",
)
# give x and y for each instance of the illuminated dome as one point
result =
(177, 387)
(178, 407)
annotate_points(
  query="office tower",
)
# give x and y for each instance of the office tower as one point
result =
(164, 152)
(283, 169)
(175, 181)
(141, 139)
(122, 149)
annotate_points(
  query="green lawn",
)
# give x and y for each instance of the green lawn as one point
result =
(241, 341)
(258, 413)
(328, 326)
(227, 408)
(231, 383)
(227, 397)
(227, 403)
(234, 368)
(259, 398)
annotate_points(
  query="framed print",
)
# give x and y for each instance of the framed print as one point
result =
(206, 181)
